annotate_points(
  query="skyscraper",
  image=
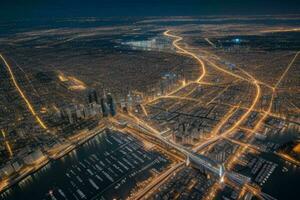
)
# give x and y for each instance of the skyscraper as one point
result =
(111, 104)
(104, 107)
(92, 96)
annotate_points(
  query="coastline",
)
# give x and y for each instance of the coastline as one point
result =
(48, 159)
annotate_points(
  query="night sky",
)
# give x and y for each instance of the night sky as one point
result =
(37, 9)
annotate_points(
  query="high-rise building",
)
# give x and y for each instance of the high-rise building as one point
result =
(108, 105)
(86, 112)
(92, 96)
(111, 104)
(104, 107)
(69, 115)
(123, 105)
(79, 113)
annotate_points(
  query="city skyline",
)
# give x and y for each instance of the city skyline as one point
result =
(149, 100)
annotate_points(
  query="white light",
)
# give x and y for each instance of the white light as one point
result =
(222, 179)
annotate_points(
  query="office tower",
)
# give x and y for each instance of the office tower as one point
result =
(111, 104)
(92, 96)
(104, 107)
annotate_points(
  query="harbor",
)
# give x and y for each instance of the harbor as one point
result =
(109, 162)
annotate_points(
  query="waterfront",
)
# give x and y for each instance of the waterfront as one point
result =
(149, 107)
(109, 162)
(283, 184)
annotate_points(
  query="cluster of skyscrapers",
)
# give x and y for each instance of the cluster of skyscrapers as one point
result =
(104, 105)
(108, 106)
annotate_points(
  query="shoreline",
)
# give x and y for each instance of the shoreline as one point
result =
(49, 159)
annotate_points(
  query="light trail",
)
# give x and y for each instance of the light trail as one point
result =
(267, 113)
(210, 42)
(252, 107)
(236, 75)
(170, 93)
(252, 81)
(286, 70)
(244, 116)
(179, 88)
(26, 76)
(231, 175)
(220, 93)
(232, 161)
(157, 182)
(243, 148)
(213, 84)
(193, 90)
(141, 122)
(144, 110)
(211, 194)
(258, 81)
(256, 192)
(297, 109)
(281, 30)
(184, 51)
(223, 121)
(184, 96)
(255, 148)
(214, 137)
(7, 144)
(259, 194)
(226, 71)
(261, 112)
(29, 106)
(181, 98)
(288, 158)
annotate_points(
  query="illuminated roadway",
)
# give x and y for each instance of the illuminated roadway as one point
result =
(252, 80)
(203, 161)
(215, 137)
(200, 161)
(28, 104)
(184, 51)
(256, 83)
(157, 182)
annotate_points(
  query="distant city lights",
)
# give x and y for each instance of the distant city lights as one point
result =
(237, 40)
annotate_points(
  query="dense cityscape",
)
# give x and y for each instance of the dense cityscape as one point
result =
(146, 107)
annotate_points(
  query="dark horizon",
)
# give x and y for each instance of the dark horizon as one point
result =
(34, 9)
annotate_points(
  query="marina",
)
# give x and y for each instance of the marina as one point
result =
(110, 161)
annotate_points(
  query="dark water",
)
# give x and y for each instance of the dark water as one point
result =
(282, 185)
(106, 167)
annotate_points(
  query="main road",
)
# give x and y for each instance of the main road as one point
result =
(201, 161)
(22, 94)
